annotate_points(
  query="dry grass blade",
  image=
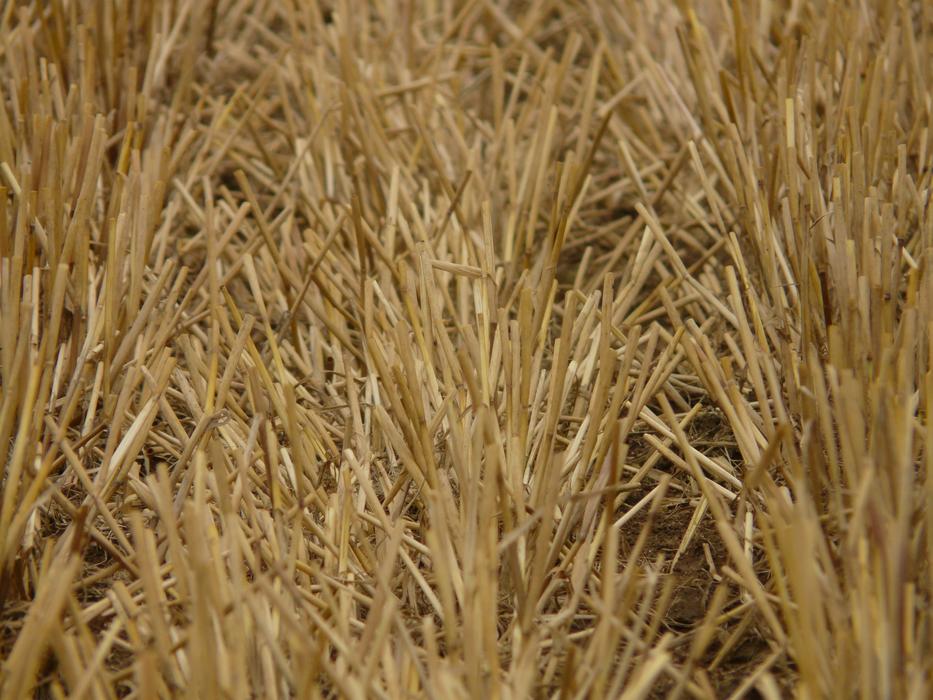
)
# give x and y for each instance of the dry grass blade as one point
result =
(495, 348)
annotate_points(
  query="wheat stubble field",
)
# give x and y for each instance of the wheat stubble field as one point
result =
(466, 349)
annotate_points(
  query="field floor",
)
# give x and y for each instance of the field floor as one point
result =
(492, 349)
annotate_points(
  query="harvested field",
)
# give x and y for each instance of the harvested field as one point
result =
(466, 349)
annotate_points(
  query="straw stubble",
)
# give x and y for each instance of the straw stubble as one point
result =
(465, 349)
